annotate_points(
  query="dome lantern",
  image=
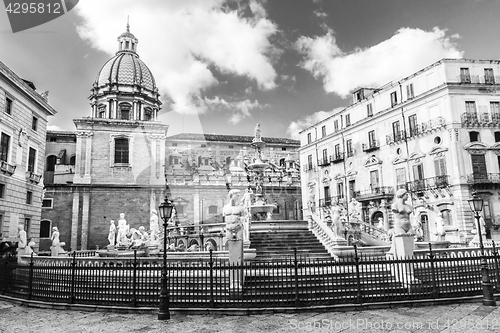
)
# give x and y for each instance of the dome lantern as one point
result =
(127, 42)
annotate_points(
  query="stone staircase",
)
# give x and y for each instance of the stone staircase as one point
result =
(279, 244)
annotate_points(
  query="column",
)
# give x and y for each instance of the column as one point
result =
(88, 152)
(74, 221)
(78, 159)
(110, 109)
(154, 157)
(115, 109)
(85, 220)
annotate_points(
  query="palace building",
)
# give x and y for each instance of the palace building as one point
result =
(435, 133)
(23, 125)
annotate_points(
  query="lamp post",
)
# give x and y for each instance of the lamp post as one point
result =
(476, 205)
(165, 211)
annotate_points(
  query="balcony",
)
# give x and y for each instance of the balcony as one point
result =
(7, 168)
(470, 119)
(431, 183)
(322, 162)
(337, 158)
(483, 178)
(371, 146)
(350, 153)
(33, 177)
(383, 192)
(396, 137)
(426, 127)
(308, 168)
(478, 79)
(326, 202)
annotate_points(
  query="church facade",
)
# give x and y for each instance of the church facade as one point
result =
(119, 159)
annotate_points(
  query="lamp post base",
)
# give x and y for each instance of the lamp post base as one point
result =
(488, 298)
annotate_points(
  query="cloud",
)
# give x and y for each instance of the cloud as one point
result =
(408, 51)
(238, 109)
(296, 126)
(184, 42)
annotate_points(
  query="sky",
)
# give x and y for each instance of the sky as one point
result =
(224, 65)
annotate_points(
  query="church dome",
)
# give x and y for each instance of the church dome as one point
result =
(126, 69)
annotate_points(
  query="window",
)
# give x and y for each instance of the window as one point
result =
(309, 138)
(212, 209)
(203, 145)
(489, 77)
(336, 125)
(148, 114)
(470, 107)
(371, 139)
(125, 111)
(29, 197)
(369, 110)
(409, 91)
(340, 189)
(347, 120)
(396, 130)
(4, 144)
(309, 162)
(276, 210)
(497, 136)
(121, 150)
(401, 178)
(34, 124)
(325, 155)
(72, 160)
(323, 131)
(446, 215)
(474, 136)
(174, 144)
(44, 229)
(479, 170)
(47, 203)
(1, 224)
(348, 144)
(50, 163)
(32, 160)
(2, 191)
(230, 146)
(374, 179)
(495, 111)
(464, 75)
(394, 98)
(8, 105)
(283, 148)
(418, 176)
(102, 114)
(337, 150)
(412, 122)
(27, 228)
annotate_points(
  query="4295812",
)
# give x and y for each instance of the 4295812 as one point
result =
(34, 7)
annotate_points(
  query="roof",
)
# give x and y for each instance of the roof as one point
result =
(230, 138)
(8, 74)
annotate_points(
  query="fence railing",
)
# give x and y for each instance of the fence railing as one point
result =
(295, 282)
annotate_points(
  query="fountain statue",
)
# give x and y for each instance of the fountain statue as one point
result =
(259, 208)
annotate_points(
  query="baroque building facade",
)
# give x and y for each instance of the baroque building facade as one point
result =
(119, 158)
(23, 125)
(435, 133)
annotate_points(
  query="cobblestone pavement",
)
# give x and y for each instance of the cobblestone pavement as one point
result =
(463, 317)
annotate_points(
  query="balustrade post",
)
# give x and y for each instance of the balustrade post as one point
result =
(358, 276)
(211, 265)
(296, 266)
(435, 291)
(30, 278)
(134, 281)
(73, 269)
(497, 273)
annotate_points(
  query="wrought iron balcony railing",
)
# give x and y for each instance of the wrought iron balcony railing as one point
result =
(470, 119)
(483, 178)
(323, 162)
(376, 192)
(337, 158)
(425, 127)
(309, 168)
(326, 202)
(7, 168)
(396, 137)
(371, 146)
(431, 183)
(478, 79)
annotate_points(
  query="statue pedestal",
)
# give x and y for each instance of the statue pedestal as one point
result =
(404, 245)
(236, 278)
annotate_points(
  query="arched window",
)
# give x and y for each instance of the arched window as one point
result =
(45, 229)
(125, 111)
(72, 160)
(212, 209)
(446, 214)
(148, 114)
(50, 165)
(276, 210)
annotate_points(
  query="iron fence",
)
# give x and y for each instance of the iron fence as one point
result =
(294, 282)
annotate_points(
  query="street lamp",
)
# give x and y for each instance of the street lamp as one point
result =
(165, 211)
(476, 205)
